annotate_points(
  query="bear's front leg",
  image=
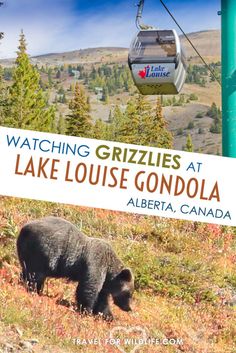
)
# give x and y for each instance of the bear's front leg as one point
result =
(89, 288)
(87, 293)
(102, 306)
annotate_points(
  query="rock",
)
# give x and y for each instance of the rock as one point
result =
(7, 348)
(20, 333)
(232, 301)
(33, 341)
(26, 346)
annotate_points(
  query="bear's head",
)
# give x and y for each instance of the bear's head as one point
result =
(122, 288)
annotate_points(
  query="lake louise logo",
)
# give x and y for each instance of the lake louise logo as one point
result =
(154, 71)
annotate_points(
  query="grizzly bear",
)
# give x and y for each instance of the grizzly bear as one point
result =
(53, 247)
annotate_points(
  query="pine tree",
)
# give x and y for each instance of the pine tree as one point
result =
(58, 74)
(131, 127)
(189, 144)
(159, 136)
(117, 125)
(3, 98)
(142, 121)
(28, 107)
(135, 122)
(124, 127)
(105, 96)
(61, 91)
(140, 125)
(216, 115)
(110, 118)
(216, 126)
(63, 99)
(100, 130)
(61, 125)
(212, 112)
(79, 121)
(50, 82)
(89, 105)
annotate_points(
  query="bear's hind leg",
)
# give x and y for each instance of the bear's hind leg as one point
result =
(28, 279)
(34, 282)
(40, 283)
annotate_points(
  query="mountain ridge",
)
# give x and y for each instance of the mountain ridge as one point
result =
(207, 42)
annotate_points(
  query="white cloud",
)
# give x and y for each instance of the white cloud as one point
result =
(57, 27)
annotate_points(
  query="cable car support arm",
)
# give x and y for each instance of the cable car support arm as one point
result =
(1, 33)
(140, 25)
(139, 14)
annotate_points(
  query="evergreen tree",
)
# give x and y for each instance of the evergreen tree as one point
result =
(216, 126)
(131, 128)
(3, 98)
(140, 124)
(110, 118)
(70, 70)
(181, 99)
(113, 79)
(105, 95)
(7, 73)
(58, 74)
(144, 123)
(62, 99)
(88, 102)
(203, 82)
(61, 91)
(79, 121)
(72, 87)
(125, 127)
(193, 97)
(117, 125)
(50, 82)
(100, 130)
(159, 136)
(189, 144)
(190, 125)
(216, 115)
(212, 112)
(61, 125)
(27, 104)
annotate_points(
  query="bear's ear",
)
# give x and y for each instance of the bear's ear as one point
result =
(125, 275)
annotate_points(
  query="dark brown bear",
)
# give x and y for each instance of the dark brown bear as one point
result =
(53, 247)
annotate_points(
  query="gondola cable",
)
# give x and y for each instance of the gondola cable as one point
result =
(190, 42)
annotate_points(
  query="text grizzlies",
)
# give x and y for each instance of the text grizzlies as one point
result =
(138, 156)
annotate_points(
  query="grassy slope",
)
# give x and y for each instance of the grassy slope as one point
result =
(185, 281)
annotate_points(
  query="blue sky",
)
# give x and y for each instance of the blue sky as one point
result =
(63, 25)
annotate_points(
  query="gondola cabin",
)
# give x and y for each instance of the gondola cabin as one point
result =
(157, 62)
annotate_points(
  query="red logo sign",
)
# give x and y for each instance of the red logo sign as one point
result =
(143, 73)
